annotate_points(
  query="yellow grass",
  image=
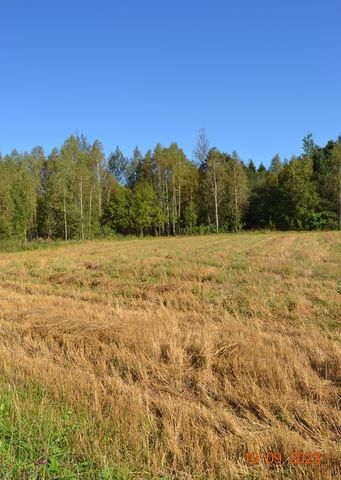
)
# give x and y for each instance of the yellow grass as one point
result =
(185, 353)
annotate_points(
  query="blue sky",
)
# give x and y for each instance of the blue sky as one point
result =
(258, 75)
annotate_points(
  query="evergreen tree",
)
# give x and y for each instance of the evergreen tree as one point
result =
(133, 167)
(118, 165)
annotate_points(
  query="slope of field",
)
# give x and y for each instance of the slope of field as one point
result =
(171, 358)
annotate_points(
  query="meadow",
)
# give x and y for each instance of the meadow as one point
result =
(171, 358)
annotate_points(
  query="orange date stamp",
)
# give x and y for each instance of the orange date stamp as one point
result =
(278, 458)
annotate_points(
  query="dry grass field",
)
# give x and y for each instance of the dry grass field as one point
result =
(171, 358)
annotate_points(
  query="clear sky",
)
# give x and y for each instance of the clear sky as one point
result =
(257, 74)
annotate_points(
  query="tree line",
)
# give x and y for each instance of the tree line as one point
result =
(75, 192)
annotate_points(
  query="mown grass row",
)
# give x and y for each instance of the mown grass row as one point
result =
(171, 358)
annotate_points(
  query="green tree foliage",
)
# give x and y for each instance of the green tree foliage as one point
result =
(237, 195)
(118, 165)
(146, 212)
(17, 198)
(117, 216)
(133, 167)
(6, 202)
(336, 179)
(213, 187)
(298, 198)
(74, 192)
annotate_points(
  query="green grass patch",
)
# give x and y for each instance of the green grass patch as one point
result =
(39, 439)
